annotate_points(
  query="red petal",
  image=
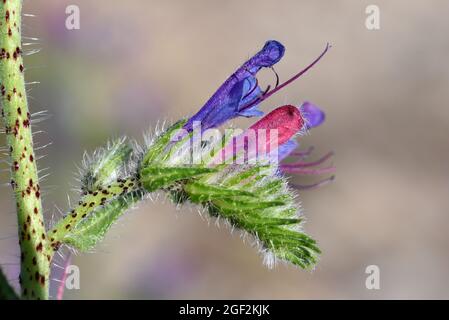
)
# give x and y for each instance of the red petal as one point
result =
(287, 120)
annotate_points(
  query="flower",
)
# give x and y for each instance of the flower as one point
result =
(240, 94)
(313, 117)
(263, 137)
(274, 136)
(239, 90)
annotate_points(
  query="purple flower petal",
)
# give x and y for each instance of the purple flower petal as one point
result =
(286, 149)
(238, 90)
(313, 115)
(271, 53)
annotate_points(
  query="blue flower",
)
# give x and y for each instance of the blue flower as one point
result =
(240, 94)
(239, 91)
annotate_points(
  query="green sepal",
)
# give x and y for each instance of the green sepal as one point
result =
(200, 192)
(258, 201)
(155, 178)
(108, 163)
(159, 147)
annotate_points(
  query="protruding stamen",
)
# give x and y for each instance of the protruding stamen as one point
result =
(309, 164)
(307, 171)
(267, 94)
(303, 154)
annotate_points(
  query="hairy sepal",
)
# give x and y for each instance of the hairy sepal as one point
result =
(258, 201)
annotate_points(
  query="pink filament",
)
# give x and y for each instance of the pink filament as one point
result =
(307, 171)
(308, 164)
(267, 94)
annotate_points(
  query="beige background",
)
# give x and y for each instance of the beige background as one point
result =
(386, 97)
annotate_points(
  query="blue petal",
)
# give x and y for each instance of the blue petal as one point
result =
(313, 115)
(253, 112)
(250, 92)
(271, 53)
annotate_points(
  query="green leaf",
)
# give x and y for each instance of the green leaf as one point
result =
(6, 291)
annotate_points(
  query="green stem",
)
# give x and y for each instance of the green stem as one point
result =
(36, 253)
(89, 202)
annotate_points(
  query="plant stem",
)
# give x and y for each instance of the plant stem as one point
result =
(36, 253)
(89, 202)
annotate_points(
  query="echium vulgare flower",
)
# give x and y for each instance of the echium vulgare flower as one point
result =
(236, 177)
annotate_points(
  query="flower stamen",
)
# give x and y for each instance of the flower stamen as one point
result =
(269, 93)
(303, 164)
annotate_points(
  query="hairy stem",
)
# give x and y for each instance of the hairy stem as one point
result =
(90, 201)
(35, 250)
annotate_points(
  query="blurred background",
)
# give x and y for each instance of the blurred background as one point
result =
(385, 93)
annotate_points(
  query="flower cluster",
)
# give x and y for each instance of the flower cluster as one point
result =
(237, 177)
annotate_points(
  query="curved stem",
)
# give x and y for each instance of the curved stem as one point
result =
(90, 201)
(35, 252)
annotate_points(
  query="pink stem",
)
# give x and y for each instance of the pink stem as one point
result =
(61, 287)
(307, 171)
